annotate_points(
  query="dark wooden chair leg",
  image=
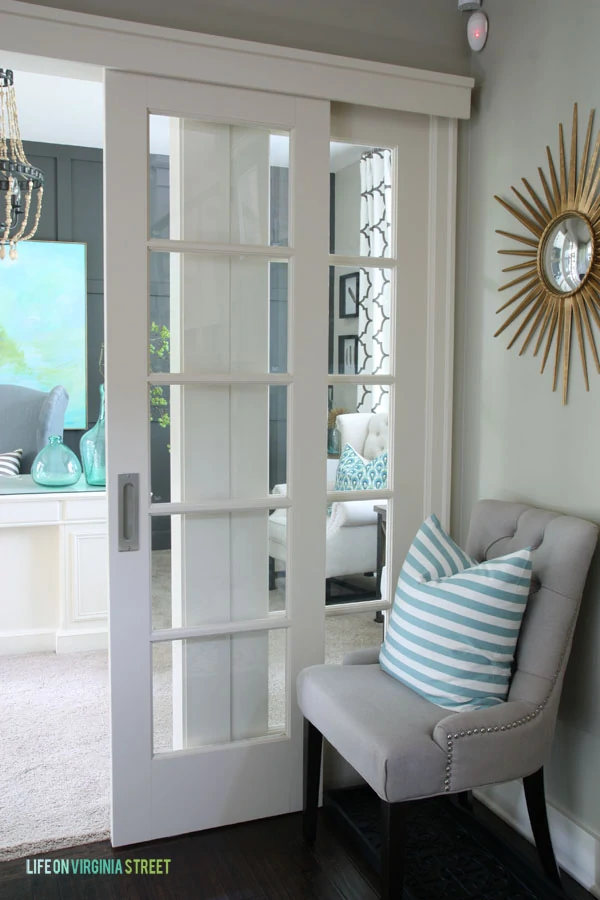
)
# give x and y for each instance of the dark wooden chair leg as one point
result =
(465, 800)
(313, 751)
(538, 816)
(393, 850)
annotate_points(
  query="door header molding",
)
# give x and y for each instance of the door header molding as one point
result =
(149, 49)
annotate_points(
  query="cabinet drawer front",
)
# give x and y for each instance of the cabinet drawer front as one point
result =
(27, 512)
(84, 510)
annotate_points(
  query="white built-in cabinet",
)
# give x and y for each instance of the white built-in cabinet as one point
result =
(54, 564)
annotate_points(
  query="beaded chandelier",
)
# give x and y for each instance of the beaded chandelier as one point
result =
(19, 180)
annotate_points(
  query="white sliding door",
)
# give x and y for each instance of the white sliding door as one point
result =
(205, 731)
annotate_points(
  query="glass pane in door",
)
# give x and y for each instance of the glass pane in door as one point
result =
(217, 313)
(358, 416)
(362, 183)
(218, 690)
(351, 552)
(211, 569)
(360, 313)
(210, 181)
(217, 441)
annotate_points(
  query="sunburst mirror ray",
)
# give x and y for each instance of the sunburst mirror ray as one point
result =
(556, 282)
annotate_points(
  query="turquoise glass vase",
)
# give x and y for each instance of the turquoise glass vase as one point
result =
(56, 465)
(333, 442)
(93, 449)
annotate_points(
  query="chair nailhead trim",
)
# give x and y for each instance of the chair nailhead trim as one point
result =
(460, 734)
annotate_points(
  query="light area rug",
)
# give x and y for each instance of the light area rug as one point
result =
(54, 735)
(55, 759)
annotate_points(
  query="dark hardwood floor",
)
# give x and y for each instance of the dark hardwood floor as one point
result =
(265, 860)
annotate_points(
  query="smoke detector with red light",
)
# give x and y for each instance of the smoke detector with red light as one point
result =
(477, 31)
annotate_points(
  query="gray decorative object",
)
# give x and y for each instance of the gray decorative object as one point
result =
(347, 354)
(349, 287)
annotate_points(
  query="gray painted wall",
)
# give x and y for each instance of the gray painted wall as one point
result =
(513, 438)
(427, 34)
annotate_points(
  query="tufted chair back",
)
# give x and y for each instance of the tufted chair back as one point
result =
(28, 418)
(563, 547)
(366, 432)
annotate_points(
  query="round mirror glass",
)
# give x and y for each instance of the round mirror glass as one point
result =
(567, 253)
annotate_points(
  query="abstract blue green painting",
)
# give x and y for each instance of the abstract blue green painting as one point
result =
(43, 297)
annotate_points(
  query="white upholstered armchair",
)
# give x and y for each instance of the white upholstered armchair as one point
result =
(351, 526)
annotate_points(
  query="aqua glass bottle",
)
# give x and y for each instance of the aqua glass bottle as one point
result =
(56, 465)
(93, 449)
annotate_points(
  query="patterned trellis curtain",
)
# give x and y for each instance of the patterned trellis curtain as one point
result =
(374, 292)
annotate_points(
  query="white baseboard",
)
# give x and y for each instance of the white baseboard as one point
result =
(577, 849)
(39, 640)
(34, 640)
(70, 641)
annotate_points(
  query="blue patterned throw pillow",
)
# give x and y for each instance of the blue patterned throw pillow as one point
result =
(354, 473)
(455, 622)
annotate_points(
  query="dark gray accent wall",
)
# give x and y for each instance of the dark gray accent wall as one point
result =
(160, 312)
(278, 327)
(73, 211)
(331, 270)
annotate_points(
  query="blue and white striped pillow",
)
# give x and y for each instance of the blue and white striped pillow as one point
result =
(455, 622)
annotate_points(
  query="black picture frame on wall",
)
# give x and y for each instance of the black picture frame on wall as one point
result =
(348, 354)
(349, 295)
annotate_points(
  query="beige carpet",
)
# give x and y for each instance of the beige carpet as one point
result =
(54, 728)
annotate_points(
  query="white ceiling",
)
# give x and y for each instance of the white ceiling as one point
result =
(57, 110)
(63, 103)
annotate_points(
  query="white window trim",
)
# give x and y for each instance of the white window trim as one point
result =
(130, 46)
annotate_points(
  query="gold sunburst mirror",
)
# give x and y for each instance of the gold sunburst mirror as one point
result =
(557, 288)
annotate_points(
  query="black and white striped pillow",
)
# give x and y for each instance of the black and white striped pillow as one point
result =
(10, 463)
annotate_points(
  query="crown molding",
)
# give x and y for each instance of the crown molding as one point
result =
(149, 49)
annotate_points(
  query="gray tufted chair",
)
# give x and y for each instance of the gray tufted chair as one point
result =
(28, 419)
(407, 748)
